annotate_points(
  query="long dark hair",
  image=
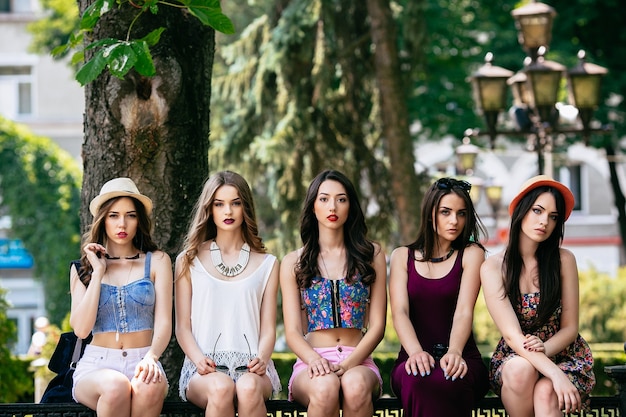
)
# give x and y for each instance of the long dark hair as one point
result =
(96, 233)
(427, 235)
(547, 254)
(359, 249)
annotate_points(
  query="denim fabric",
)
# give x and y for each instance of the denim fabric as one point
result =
(129, 308)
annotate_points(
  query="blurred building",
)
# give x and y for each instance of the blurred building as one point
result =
(592, 231)
(41, 93)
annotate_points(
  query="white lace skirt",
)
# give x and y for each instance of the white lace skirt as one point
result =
(230, 360)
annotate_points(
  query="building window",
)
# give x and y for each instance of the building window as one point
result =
(15, 6)
(571, 176)
(16, 91)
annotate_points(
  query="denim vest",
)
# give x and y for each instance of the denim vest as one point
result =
(129, 308)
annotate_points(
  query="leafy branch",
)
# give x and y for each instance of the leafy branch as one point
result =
(120, 56)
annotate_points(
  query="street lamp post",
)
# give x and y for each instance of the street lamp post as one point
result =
(535, 88)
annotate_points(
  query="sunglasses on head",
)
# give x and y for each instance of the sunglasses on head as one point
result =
(225, 369)
(450, 183)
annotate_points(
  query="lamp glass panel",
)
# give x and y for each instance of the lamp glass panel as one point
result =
(494, 194)
(585, 90)
(536, 30)
(493, 93)
(545, 86)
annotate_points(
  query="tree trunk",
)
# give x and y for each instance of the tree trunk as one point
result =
(153, 130)
(405, 186)
(620, 201)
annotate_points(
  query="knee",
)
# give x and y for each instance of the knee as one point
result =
(325, 391)
(249, 389)
(116, 391)
(152, 392)
(519, 375)
(356, 390)
(544, 394)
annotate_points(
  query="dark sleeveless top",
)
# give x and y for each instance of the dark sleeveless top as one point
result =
(432, 303)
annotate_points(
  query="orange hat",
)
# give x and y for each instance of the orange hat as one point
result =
(540, 181)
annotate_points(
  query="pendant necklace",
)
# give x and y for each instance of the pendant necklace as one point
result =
(443, 258)
(230, 271)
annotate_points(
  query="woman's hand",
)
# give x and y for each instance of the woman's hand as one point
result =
(205, 366)
(566, 392)
(95, 254)
(257, 366)
(148, 370)
(453, 365)
(320, 366)
(420, 362)
(534, 344)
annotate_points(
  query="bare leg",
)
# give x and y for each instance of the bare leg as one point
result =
(319, 394)
(215, 392)
(106, 391)
(518, 383)
(252, 391)
(545, 399)
(359, 386)
(147, 398)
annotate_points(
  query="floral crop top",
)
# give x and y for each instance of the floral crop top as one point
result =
(333, 304)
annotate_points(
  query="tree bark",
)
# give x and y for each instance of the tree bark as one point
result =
(405, 186)
(153, 130)
(620, 201)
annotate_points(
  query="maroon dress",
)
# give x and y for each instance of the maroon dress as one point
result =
(432, 303)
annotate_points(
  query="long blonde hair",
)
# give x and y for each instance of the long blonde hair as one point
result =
(202, 227)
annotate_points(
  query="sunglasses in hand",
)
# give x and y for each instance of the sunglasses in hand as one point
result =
(225, 369)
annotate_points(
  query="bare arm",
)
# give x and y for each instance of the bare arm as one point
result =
(419, 360)
(502, 312)
(85, 300)
(161, 270)
(292, 314)
(462, 322)
(267, 337)
(184, 335)
(377, 314)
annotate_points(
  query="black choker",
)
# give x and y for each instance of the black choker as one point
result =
(106, 255)
(443, 258)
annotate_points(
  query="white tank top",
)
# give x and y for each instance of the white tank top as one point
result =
(228, 310)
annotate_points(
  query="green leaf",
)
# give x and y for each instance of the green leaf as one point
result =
(144, 64)
(211, 16)
(93, 12)
(78, 57)
(153, 37)
(92, 68)
(120, 58)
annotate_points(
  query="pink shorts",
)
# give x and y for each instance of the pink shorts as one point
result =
(335, 355)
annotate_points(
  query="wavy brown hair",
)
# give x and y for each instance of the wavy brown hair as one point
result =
(359, 249)
(203, 228)
(96, 233)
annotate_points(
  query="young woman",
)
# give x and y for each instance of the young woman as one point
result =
(225, 293)
(433, 286)
(334, 303)
(541, 365)
(122, 294)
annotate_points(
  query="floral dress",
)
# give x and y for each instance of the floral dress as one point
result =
(575, 360)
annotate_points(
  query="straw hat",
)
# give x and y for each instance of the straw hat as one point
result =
(540, 181)
(119, 187)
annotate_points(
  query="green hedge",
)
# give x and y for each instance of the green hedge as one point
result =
(604, 355)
